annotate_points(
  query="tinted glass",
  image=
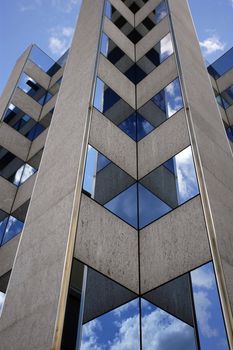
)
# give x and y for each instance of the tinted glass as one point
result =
(153, 58)
(110, 186)
(23, 123)
(32, 88)
(210, 322)
(42, 60)
(9, 165)
(222, 65)
(227, 97)
(153, 19)
(167, 187)
(14, 227)
(163, 105)
(3, 222)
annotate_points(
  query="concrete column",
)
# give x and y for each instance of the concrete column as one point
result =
(212, 153)
(34, 309)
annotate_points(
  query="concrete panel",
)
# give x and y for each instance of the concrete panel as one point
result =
(24, 192)
(26, 103)
(13, 141)
(203, 108)
(145, 11)
(105, 136)
(124, 10)
(152, 38)
(170, 246)
(32, 299)
(36, 73)
(9, 89)
(35, 160)
(229, 112)
(48, 106)
(119, 38)
(56, 76)
(38, 144)
(213, 82)
(156, 80)
(7, 254)
(169, 138)
(116, 81)
(107, 244)
(225, 80)
(223, 114)
(7, 194)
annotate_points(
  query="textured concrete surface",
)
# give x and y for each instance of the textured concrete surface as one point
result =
(170, 246)
(212, 144)
(169, 138)
(145, 11)
(225, 80)
(26, 103)
(7, 194)
(158, 79)
(29, 316)
(38, 144)
(12, 81)
(115, 250)
(121, 153)
(13, 141)
(152, 38)
(24, 192)
(36, 73)
(116, 81)
(118, 37)
(7, 254)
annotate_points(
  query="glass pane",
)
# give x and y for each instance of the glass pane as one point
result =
(110, 186)
(153, 58)
(41, 59)
(153, 19)
(9, 165)
(227, 97)
(21, 122)
(3, 222)
(167, 187)
(23, 173)
(2, 299)
(163, 105)
(161, 330)
(117, 329)
(13, 228)
(31, 88)
(114, 107)
(222, 65)
(210, 322)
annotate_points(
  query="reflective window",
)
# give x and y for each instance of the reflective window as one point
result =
(222, 65)
(168, 186)
(126, 28)
(229, 132)
(153, 58)
(118, 195)
(162, 190)
(14, 169)
(4, 279)
(41, 59)
(212, 333)
(227, 97)
(9, 227)
(31, 88)
(23, 123)
(153, 19)
(163, 105)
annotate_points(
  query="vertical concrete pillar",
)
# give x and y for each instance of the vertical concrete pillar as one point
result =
(212, 153)
(34, 308)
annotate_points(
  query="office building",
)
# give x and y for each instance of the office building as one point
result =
(116, 188)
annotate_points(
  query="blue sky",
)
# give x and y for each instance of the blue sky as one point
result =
(50, 25)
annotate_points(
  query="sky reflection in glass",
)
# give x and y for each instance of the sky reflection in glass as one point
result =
(117, 329)
(162, 190)
(14, 227)
(162, 331)
(210, 322)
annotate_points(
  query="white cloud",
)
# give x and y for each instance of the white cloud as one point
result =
(203, 310)
(89, 335)
(202, 278)
(30, 5)
(212, 44)
(60, 39)
(66, 5)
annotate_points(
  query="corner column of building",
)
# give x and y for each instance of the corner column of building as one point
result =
(211, 150)
(36, 290)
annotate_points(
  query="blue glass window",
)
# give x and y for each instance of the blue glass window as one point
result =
(31, 88)
(222, 65)
(42, 60)
(21, 122)
(23, 173)
(13, 228)
(229, 132)
(212, 333)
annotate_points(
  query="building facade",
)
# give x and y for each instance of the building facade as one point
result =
(116, 188)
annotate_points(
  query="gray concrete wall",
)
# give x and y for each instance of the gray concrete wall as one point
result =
(32, 299)
(212, 153)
